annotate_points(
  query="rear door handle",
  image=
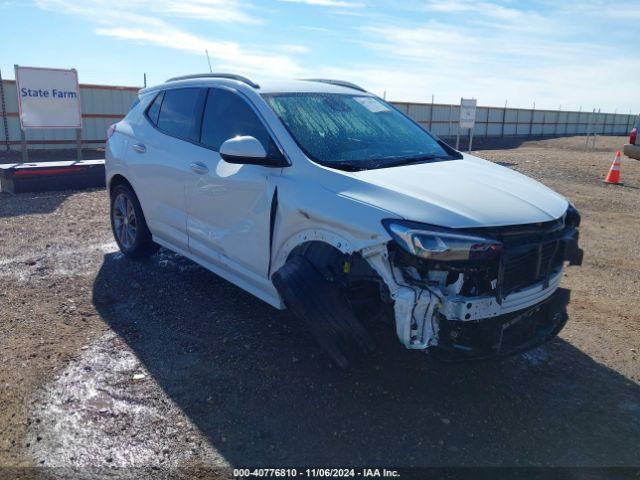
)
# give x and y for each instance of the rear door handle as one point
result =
(199, 168)
(139, 147)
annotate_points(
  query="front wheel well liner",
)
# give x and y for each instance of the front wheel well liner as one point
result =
(351, 270)
(118, 179)
(321, 254)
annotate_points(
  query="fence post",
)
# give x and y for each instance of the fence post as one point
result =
(595, 132)
(4, 114)
(23, 143)
(589, 121)
(23, 133)
(450, 119)
(78, 144)
(504, 119)
(458, 127)
(533, 112)
(578, 124)
(431, 114)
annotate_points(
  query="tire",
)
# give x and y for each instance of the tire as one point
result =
(319, 304)
(128, 224)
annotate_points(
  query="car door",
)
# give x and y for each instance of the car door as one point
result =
(159, 162)
(229, 204)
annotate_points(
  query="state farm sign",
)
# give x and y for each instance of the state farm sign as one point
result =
(48, 98)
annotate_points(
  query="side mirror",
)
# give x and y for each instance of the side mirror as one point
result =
(248, 150)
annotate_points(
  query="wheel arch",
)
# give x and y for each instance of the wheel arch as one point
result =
(119, 179)
(330, 257)
(302, 241)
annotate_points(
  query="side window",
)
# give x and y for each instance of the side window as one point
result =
(154, 108)
(226, 115)
(180, 112)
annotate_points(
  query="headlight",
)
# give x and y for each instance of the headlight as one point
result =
(440, 244)
(572, 217)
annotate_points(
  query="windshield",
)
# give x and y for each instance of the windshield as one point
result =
(355, 132)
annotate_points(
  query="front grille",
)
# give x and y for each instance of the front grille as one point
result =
(530, 264)
(518, 234)
(531, 252)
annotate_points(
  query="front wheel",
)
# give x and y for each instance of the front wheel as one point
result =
(128, 224)
(319, 304)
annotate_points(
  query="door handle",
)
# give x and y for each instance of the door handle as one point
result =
(139, 147)
(199, 168)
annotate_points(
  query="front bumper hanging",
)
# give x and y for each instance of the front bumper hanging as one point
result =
(503, 335)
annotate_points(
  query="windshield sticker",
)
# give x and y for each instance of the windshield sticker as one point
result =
(372, 104)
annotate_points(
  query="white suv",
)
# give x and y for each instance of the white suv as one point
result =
(318, 196)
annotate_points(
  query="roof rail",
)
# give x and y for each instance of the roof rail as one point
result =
(339, 83)
(230, 76)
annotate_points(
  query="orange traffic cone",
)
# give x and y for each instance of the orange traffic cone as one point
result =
(614, 172)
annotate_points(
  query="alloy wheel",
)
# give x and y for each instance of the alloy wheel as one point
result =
(124, 221)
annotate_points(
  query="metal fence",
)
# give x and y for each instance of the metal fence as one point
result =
(442, 120)
(103, 105)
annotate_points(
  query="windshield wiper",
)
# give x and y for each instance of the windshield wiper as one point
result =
(348, 166)
(383, 162)
(409, 160)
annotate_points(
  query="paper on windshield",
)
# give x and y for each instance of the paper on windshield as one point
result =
(372, 104)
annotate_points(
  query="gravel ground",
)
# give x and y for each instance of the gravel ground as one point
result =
(109, 362)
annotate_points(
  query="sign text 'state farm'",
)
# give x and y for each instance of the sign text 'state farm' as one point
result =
(48, 98)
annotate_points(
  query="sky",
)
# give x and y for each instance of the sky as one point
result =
(569, 53)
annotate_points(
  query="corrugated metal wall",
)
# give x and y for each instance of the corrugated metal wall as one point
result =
(501, 122)
(103, 105)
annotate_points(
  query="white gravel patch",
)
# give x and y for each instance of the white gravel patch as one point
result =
(105, 409)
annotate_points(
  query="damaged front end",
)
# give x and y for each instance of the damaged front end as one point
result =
(481, 292)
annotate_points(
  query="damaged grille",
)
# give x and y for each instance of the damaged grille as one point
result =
(530, 254)
(530, 264)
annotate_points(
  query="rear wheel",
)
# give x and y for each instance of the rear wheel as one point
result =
(129, 225)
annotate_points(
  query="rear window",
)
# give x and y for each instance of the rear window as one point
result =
(180, 113)
(154, 108)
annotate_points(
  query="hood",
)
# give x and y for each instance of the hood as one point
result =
(457, 193)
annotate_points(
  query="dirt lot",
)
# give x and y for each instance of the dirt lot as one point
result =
(109, 362)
